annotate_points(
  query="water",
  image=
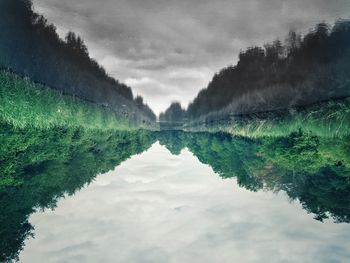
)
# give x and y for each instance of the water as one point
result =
(174, 197)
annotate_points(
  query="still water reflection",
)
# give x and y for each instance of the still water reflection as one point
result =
(173, 197)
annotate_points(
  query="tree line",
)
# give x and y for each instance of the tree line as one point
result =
(300, 71)
(175, 113)
(30, 46)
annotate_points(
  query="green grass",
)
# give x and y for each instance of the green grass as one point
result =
(330, 119)
(24, 103)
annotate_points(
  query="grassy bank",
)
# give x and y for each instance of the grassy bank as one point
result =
(24, 103)
(329, 119)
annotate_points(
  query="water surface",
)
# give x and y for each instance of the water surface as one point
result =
(178, 198)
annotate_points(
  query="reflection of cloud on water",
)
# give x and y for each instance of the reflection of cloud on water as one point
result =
(161, 208)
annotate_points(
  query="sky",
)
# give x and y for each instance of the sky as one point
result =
(168, 50)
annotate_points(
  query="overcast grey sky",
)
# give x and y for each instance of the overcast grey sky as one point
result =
(168, 50)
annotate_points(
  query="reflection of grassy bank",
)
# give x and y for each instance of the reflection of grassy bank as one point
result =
(51, 151)
(24, 103)
(40, 166)
(314, 170)
(327, 120)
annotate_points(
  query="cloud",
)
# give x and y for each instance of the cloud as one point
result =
(151, 38)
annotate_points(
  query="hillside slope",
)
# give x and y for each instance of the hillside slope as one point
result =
(30, 46)
(303, 71)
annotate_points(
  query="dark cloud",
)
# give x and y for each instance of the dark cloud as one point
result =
(156, 40)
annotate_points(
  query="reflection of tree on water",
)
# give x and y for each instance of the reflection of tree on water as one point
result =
(39, 167)
(313, 170)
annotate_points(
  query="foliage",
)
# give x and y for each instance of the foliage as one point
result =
(305, 70)
(30, 46)
(40, 166)
(175, 113)
(24, 103)
(311, 169)
(329, 119)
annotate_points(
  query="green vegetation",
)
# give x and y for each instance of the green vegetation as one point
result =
(311, 169)
(40, 166)
(24, 103)
(175, 113)
(56, 137)
(330, 119)
(304, 70)
(30, 46)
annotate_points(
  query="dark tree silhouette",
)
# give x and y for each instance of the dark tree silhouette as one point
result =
(303, 71)
(30, 46)
(175, 113)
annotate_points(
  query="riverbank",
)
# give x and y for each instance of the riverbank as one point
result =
(24, 103)
(326, 119)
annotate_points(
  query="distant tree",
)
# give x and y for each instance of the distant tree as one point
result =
(76, 43)
(139, 100)
(175, 113)
(250, 56)
(293, 42)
